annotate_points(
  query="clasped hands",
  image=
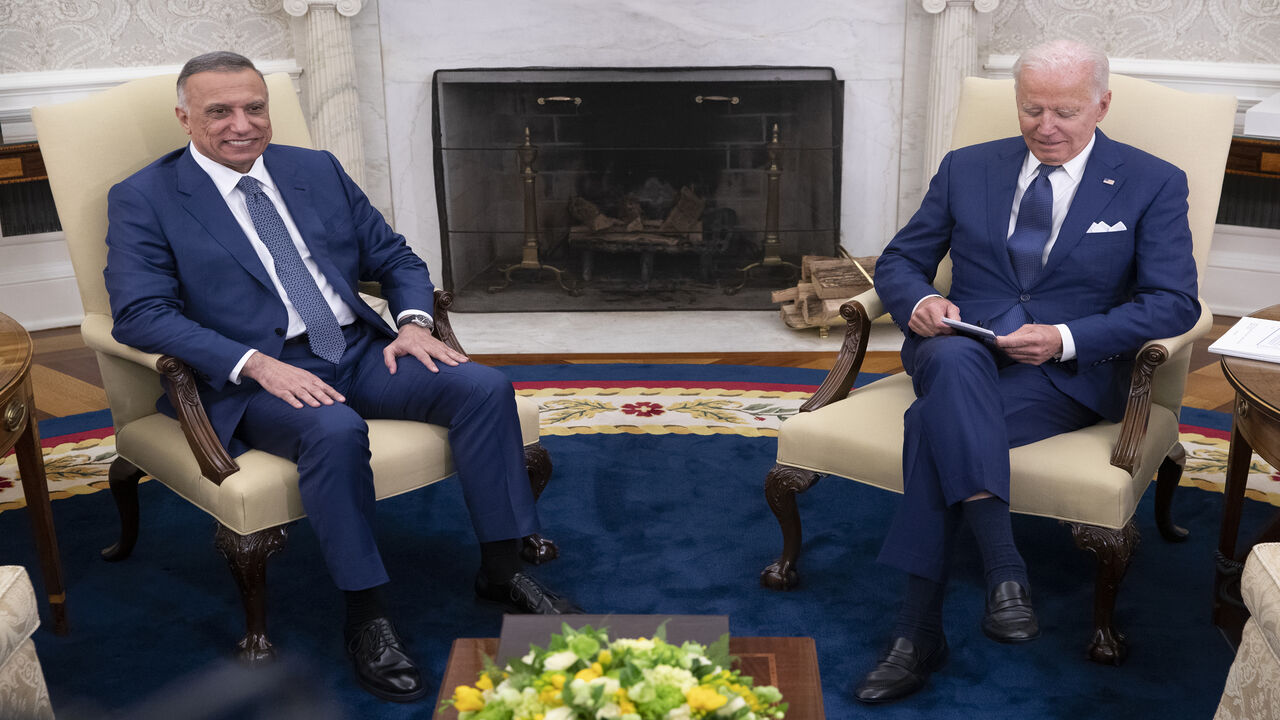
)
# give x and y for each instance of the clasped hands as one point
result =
(299, 387)
(1031, 344)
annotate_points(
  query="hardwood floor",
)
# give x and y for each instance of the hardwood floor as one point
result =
(67, 379)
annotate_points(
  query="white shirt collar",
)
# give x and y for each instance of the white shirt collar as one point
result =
(1074, 168)
(224, 178)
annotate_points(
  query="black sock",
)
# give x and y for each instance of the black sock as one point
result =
(363, 606)
(990, 521)
(920, 615)
(500, 559)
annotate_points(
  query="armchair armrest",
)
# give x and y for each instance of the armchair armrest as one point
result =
(443, 329)
(1137, 411)
(180, 385)
(858, 313)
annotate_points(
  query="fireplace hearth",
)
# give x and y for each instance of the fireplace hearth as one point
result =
(633, 189)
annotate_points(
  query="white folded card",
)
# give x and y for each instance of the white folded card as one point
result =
(1101, 227)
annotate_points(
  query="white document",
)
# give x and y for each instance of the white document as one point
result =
(967, 329)
(1252, 338)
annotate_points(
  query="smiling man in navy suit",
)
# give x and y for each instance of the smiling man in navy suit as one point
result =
(1074, 250)
(243, 259)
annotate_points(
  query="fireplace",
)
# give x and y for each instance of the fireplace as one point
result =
(633, 189)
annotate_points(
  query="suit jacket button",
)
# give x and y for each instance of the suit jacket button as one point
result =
(1025, 297)
(280, 332)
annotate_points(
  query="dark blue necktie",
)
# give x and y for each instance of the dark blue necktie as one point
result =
(323, 332)
(1026, 244)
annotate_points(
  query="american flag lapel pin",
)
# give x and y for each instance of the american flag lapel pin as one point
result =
(1108, 181)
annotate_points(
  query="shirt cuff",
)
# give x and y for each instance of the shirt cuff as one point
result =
(412, 311)
(235, 371)
(926, 297)
(1068, 344)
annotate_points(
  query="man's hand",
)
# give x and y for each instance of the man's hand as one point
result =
(1032, 344)
(926, 321)
(289, 383)
(420, 343)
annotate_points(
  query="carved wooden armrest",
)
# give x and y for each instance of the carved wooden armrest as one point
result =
(440, 314)
(180, 385)
(858, 314)
(1138, 409)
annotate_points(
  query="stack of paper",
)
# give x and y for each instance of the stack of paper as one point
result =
(1252, 338)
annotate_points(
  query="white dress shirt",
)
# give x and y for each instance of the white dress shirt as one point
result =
(1065, 182)
(226, 179)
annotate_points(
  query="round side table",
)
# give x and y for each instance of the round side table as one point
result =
(18, 431)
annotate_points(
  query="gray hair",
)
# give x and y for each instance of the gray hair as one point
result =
(216, 61)
(1060, 56)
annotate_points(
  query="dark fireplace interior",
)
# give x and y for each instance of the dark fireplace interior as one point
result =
(634, 189)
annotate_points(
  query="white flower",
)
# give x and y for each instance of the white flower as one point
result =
(609, 712)
(560, 713)
(667, 675)
(640, 644)
(527, 659)
(731, 707)
(680, 713)
(559, 660)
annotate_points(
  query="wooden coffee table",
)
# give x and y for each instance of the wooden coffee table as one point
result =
(788, 663)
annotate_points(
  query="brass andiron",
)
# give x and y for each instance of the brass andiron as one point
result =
(529, 252)
(772, 257)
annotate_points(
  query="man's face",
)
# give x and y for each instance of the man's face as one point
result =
(1057, 113)
(227, 117)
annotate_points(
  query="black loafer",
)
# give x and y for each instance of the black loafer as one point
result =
(903, 670)
(523, 594)
(382, 666)
(1010, 617)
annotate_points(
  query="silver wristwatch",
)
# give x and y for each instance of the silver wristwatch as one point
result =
(422, 320)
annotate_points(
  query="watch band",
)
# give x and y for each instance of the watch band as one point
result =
(420, 319)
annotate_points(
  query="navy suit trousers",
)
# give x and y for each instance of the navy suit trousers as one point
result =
(971, 407)
(330, 444)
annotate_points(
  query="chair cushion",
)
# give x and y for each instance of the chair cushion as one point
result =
(264, 492)
(1067, 477)
(18, 615)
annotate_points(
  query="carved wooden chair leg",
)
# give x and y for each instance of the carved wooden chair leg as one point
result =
(780, 488)
(1166, 482)
(1113, 549)
(536, 549)
(247, 557)
(123, 478)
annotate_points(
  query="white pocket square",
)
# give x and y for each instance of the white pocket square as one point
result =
(1101, 227)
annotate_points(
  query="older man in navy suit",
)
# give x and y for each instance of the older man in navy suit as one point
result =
(243, 259)
(1074, 250)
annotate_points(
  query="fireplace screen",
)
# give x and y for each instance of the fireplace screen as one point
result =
(638, 189)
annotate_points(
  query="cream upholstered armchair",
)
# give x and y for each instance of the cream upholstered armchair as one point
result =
(88, 146)
(1090, 479)
(23, 693)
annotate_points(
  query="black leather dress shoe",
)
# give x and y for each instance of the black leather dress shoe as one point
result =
(903, 670)
(523, 594)
(1010, 617)
(382, 666)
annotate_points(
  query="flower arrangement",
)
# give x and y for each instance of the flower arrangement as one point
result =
(582, 675)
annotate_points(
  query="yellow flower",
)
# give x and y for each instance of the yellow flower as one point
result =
(484, 683)
(705, 698)
(550, 696)
(626, 707)
(467, 698)
(588, 674)
(557, 681)
(605, 657)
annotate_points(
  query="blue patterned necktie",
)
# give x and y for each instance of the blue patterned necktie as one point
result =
(1026, 244)
(323, 332)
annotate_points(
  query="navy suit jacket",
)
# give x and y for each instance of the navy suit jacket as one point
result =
(1113, 290)
(184, 280)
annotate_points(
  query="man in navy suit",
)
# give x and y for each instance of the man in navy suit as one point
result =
(243, 259)
(1075, 250)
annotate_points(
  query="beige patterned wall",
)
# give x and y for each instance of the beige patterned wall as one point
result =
(1239, 31)
(38, 35)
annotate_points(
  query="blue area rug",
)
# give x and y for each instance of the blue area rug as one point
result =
(646, 524)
